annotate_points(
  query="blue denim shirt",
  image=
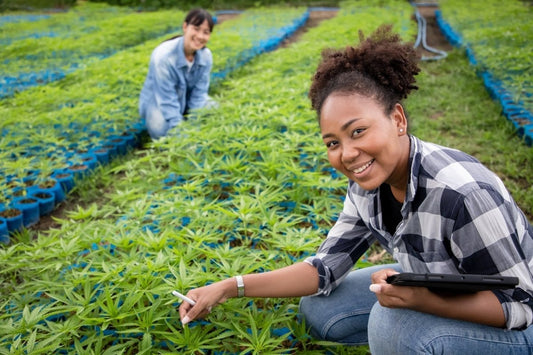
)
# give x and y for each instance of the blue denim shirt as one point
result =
(171, 86)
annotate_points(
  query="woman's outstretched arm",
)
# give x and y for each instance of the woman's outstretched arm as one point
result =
(296, 280)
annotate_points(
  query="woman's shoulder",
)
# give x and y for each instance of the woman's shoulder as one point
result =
(205, 56)
(454, 169)
(438, 157)
(165, 49)
(431, 150)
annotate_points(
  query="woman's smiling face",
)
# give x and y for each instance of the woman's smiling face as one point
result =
(363, 142)
(196, 37)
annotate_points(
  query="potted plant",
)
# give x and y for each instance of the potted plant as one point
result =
(46, 183)
(11, 217)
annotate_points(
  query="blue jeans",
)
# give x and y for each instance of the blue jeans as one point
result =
(351, 315)
(157, 126)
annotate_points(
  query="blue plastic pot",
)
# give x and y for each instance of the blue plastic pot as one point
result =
(130, 138)
(112, 150)
(56, 190)
(46, 201)
(137, 131)
(65, 179)
(30, 183)
(89, 159)
(33, 172)
(17, 191)
(4, 232)
(30, 210)
(527, 132)
(120, 143)
(102, 155)
(79, 170)
(13, 218)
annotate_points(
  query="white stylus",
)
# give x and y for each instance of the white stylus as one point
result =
(183, 297)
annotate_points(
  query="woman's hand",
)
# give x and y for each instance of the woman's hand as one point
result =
(206, 298)
(396, 296)
(480, 307)
(295, 280)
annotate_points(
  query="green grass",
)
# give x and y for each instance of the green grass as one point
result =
(453, 108)
(499, 34)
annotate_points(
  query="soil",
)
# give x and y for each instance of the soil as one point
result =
(224, 17)
(11, 212)
(434, 39)
(315, 18)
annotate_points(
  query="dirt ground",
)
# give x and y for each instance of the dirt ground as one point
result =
(434, 36)
(434, 39)
(315, 17)
(224, 17)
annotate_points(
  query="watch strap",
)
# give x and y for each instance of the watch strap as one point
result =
(240, 286)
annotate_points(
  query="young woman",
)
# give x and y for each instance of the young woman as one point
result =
(435, 209)
(178, 76)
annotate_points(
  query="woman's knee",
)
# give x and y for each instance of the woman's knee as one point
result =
(342, 326)
(404, 331)
(390, 331)
(312, 320)
(156, 125)
(343, 315)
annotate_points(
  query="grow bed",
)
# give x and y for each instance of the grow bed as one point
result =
(496, 37)
(47, 146)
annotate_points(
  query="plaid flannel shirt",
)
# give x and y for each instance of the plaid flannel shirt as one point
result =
(457, 217)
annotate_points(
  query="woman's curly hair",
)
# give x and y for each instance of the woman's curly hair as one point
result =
(381, 67)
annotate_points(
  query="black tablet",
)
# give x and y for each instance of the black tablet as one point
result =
(454, 282)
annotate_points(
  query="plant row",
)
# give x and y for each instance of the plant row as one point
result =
(497, 38)
(35, 61)
(221, 4)
(48, 147)
(36, 5)
(260, 37)
(22, 17)
(39, 59)
(76, 21)
(249, 191)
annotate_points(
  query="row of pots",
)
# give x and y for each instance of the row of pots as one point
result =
(25, 211)
(515, 112)
(36, 200)
(115, 146)
(262, 46)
